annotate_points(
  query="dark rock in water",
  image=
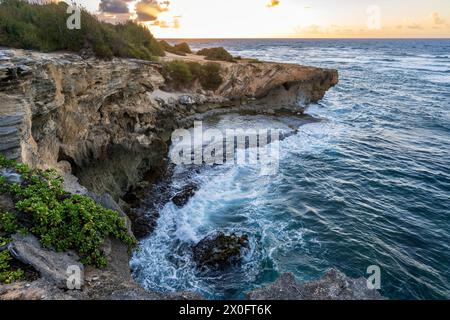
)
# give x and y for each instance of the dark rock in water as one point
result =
(143, 223)
(183, 197)
(219, 250)
(334, 285)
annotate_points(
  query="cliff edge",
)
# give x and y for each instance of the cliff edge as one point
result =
(110, 122)
(106, 126)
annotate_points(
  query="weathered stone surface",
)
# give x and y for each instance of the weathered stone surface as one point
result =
(334, 285)
(40, 289)
(112, 121)
(187, 100)
(105, 125)
(219, 250)
(51, 265)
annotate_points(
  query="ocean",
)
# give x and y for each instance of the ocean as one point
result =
(366, 183)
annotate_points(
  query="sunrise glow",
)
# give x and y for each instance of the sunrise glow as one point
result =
(282, 19)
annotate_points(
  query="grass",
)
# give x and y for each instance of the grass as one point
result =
(43, 27)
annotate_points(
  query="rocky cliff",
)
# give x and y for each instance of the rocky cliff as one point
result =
(106, 126)
(110, 123)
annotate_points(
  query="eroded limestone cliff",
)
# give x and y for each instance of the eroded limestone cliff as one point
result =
(106, 126)
(110, 123)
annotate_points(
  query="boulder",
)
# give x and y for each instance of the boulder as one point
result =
(334, 285)
(182, 198)
(219, 250)
(52, 266)
(186, 100)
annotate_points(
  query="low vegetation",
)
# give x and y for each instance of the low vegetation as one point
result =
(180, 49)
(216, 54)
(182, 74)
(31, 25)
(8, 273)
(60, 221)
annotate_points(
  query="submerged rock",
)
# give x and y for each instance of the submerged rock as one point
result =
(219, 250)
(334, 285)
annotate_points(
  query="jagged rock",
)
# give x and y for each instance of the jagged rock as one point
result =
(334, 285)
(51, 265)
(183, 197)
(187, 100)
(219, 250)
(86, 111)
(112, 122)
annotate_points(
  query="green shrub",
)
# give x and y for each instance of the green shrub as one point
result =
(180, 49)
(7, 273)
(217, 54)
(196, 69)
(183, 47)
(178, 73)
(30, 25)
(182, 74)
(60, 220)
(211, 78)
(8, 222)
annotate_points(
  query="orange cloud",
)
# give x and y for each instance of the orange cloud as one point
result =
(437, 19)
(273, 3)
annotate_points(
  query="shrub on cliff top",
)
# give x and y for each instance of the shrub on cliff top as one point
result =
(59, 220)
(8, 272)
(43, 27)
(210, 78)
(178, 73)
(182, 74)
(179, 49)
(183, 47)
(216, 54)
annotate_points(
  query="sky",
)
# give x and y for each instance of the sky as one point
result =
(282, 18)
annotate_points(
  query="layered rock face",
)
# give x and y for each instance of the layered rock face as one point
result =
(106, 126)
(110, 123)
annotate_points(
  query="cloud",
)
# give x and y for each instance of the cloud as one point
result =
(437, 19)
(114, 6)
(273, 3)
(174, 24)
(415, 26)
(149, 10)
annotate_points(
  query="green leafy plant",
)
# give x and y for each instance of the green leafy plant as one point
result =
(7, 273)
(60, 220)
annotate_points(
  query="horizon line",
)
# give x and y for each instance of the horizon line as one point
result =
(245, 38)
